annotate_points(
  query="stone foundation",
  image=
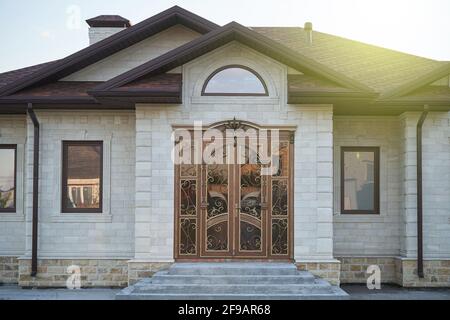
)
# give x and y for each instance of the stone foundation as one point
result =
(328, 270)
(138, 269)
(354, 269)
(94, 273)
(121, 273)
(397, 270)
(436, 272)
(9, 270)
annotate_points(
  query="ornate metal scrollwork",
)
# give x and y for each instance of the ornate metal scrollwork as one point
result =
(188, 232)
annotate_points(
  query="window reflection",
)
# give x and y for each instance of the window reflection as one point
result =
(7, 178)
(359, 182)
(83, 176)
(234, 80)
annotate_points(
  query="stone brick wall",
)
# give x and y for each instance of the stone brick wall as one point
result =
(13, 130)
(353, 269)
(328, 270)
(154, 228)
(9, 270)
(97, 34)
(93, 272)
(369, 235)
(398, 270)
(138, 270)
(109, 234)
(436, 273)
(135, 55)
(436, 183)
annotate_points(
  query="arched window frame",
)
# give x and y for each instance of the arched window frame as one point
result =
(205, 84)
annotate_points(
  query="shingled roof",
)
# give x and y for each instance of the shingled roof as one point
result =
(379, 68)
(14, 75)
(377, 71)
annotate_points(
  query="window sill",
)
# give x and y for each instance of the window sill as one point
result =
(11, 217)
(359, 218)
(82, 217)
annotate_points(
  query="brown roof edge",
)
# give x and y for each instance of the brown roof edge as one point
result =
(112, 44)
(434, 75)
(216, 38)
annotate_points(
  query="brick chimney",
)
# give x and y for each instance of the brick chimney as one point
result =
(103, 26)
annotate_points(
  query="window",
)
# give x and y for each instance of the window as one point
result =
(234, 81)
(8, 161)
(82, 176)
(360, 180)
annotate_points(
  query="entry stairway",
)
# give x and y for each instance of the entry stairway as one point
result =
(232, 281)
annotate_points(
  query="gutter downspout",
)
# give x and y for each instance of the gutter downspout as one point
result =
(34, 235)
(419, 193)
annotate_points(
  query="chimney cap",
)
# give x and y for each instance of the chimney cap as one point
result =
(109, 21)
(308, 26)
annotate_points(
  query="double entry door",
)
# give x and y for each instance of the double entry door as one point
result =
(238, 209)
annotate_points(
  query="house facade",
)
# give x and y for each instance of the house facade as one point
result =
(88, 182)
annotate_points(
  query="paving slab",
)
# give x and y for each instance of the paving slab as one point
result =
(356, 292)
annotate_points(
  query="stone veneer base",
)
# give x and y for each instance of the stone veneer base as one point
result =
(328, 270)
(9, 270)
(353, 269)
(397, 270)
(139, 269)
(94, 273)
(121, 272)
(436, 273)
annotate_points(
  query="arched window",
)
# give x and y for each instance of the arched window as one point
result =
(234, 80)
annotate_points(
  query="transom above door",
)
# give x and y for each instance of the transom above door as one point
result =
(238, 208)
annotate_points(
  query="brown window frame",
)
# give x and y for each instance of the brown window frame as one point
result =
(231, 94)
(376, 168)
(65, 145)
(14, 147)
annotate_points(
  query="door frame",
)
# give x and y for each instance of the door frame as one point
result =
(287, 133)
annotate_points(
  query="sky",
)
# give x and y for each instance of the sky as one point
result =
(38, 31)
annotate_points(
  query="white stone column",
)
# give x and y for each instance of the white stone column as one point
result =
(313, 202)
(143, 186)
(154, 187)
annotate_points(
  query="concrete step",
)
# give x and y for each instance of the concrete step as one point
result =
(333, 296)
(232, 281)
(233, 268)
(165, 277)
(234, 289)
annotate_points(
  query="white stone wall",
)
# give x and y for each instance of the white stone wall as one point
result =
(313, 153)
(436, 185)
(99, 33)
(106, 235)
(135, 55)
(394, 231)
(12, 225)
(369, 235)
